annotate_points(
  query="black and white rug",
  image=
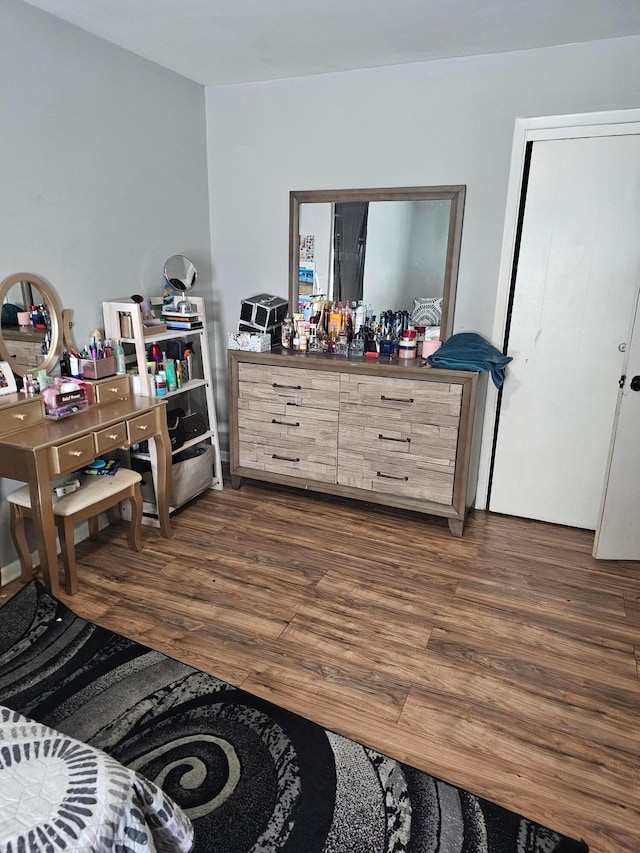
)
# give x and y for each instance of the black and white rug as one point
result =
(251, 776)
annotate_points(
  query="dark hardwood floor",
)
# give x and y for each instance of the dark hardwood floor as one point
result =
(505, 662)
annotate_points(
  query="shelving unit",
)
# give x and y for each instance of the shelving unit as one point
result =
(194, 395)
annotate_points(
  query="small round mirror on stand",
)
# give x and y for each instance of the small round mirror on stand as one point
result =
(180, 274)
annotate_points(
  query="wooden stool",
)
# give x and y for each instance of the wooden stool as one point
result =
(95, 495)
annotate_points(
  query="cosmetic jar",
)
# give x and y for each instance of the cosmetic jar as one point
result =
(408, 345)
(430, 346)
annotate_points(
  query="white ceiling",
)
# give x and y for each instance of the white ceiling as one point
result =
(236, 41)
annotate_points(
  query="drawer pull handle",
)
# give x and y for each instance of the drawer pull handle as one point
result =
(284, 423)
(396, 399)
(76, 453)
(285, 458)
(113, 436)
(390, 476)
(142, 427)
(21, 417)
(292, 387)
(390, 438)
(115, 390)
(293, 404)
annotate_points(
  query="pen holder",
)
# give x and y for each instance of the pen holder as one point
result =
(98, 369)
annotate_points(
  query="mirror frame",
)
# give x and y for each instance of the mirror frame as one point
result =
(455, 193)
(55, 314)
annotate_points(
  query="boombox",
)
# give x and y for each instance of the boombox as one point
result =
(264, 311)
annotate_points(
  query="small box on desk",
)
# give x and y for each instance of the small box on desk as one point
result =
(274, 331)
(98, 368)
(66, 403)
(250, 342)
(263, 311)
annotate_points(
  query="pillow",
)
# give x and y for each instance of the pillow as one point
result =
(427, 311)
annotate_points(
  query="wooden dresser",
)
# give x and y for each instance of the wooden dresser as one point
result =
(388, 433)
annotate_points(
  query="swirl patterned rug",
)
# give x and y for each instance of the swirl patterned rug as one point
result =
(251, 776)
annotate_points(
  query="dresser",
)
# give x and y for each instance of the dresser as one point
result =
(384, 432)
(35, 449)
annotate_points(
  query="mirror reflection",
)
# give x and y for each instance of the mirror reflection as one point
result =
(30, 327)
(388, 248)
(384, 253)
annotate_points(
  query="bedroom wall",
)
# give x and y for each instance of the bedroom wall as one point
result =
(442, 122)
(104, 170)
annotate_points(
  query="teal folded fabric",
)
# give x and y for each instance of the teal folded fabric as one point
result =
(470, 351)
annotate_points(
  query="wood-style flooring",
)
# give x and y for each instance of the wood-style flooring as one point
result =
(505, 662)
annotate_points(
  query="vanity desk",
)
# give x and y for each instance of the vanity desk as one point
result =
(35, 449)
(392, 434)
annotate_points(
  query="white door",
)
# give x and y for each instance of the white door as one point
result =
(575, 290)
(618, 532)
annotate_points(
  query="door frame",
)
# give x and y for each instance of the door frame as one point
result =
(526, 130)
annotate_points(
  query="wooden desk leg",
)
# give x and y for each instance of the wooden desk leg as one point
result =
(43, 523)
(161, 467)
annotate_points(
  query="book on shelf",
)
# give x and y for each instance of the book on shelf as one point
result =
(181, 315)
(184, 324)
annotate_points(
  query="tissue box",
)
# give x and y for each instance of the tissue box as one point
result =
(263, 310)
(274, 331)
(250, 342)
(98, 369)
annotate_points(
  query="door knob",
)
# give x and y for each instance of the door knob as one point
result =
(635, 383)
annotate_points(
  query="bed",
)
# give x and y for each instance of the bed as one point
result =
(57, 793)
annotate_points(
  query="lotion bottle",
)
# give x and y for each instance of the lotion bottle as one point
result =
(118, 352)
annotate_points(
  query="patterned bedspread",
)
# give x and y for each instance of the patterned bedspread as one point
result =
(57, 793)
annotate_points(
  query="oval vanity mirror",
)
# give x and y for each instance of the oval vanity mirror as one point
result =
(29, 340)
(180, 274)
(393, 248)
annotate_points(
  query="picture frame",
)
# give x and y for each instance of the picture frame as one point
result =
(7, 379)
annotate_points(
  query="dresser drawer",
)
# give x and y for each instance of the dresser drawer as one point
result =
(399, 474)
(266, 386)
(114, 388)
(74, 454)
(295, 423)
(291, 459)
(428, 442)
(401, 399)
(21, 416)
(140, 428)
(110, 438)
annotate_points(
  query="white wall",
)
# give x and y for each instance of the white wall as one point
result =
(103, 170)
(443, 122)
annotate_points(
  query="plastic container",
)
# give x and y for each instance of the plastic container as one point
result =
(429, 347)
(161, 384)
(408, 345)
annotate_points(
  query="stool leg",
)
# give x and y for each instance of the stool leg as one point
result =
(94, 528)
(68, 549)
(16, 525)
(135, 525)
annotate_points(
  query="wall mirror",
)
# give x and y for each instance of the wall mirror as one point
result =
(385, 246)
(27, 342)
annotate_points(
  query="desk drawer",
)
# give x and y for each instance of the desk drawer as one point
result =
(142, 427)
(114, 388)
(110, 438)
(72, 455)
(20, 417)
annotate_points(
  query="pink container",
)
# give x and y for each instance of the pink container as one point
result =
(429, 347)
